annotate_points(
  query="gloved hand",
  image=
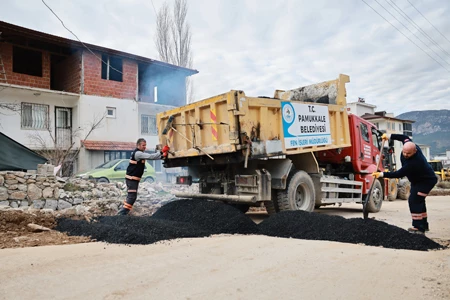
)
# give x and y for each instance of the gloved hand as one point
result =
(377, 174)
(165, 151)
(385, 136)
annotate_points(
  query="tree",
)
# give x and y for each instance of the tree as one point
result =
(62, 152)
(173, 39)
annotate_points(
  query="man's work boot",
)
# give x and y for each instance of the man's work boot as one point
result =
(416, 230)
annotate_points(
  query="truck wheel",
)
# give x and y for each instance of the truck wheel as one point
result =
(272, 206)
(392, 189)
(376, 198)
(299, 195)
(404, 189)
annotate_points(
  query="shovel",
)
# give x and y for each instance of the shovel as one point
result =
(366, 200)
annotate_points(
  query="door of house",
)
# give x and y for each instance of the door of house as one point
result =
(63, 127)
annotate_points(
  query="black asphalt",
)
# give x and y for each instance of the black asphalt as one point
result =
(202, 218)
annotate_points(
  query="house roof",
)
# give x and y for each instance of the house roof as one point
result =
(108, 145)
(374, 117)
(7, 30)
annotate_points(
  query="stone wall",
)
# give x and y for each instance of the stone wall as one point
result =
(43, 191)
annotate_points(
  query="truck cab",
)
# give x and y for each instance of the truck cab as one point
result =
(358, 160)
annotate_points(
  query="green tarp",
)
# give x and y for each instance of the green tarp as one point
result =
(17, 157)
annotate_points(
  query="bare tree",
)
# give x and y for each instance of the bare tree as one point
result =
(163, 39)
(173, 39)
(59, 153)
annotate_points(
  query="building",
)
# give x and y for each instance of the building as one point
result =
(54, 89)
(360, 108)
(426, 150)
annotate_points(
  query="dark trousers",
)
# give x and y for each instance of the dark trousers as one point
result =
(417, 205)
(132, 188)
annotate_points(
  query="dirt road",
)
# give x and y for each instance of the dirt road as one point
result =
(236, 267)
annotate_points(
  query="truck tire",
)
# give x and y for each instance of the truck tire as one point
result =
(404, 189)
(272, 206)
(376, 198)
(300, 193)
(392, 189)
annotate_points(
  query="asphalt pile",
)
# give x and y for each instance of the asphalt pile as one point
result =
(314, 226)
(177, 219)
(202, 218)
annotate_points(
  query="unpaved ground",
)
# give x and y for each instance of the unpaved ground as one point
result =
(15, 233)
(237, 267)
(224, 267)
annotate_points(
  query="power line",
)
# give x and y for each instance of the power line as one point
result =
(153, 61)
(411, 21)
(405, 35)
(411, 32)
(429, 21)
(79, 39)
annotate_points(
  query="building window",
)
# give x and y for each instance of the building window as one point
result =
(407, 129)
(34, 116)
(400, 127)
(148, 125)
(26, 61)
(111, 68)
(377, 125)
(111, 155)
(111, 112)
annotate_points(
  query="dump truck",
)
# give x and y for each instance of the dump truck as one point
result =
(298, 150)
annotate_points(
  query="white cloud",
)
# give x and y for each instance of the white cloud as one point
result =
(259, 46)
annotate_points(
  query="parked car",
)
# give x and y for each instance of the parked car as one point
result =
(115, 170)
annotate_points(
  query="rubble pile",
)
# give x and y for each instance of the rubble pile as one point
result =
(201, 218)
(314, 226)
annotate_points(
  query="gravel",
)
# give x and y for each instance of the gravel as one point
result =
(202, 218)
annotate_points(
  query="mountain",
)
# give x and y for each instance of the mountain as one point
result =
(432, 127)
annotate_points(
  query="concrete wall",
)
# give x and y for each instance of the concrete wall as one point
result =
(122, 128)
(11, 121)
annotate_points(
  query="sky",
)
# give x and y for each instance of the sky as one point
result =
(259, 46)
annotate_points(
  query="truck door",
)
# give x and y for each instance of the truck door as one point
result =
(376, 144)
(365, 157)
